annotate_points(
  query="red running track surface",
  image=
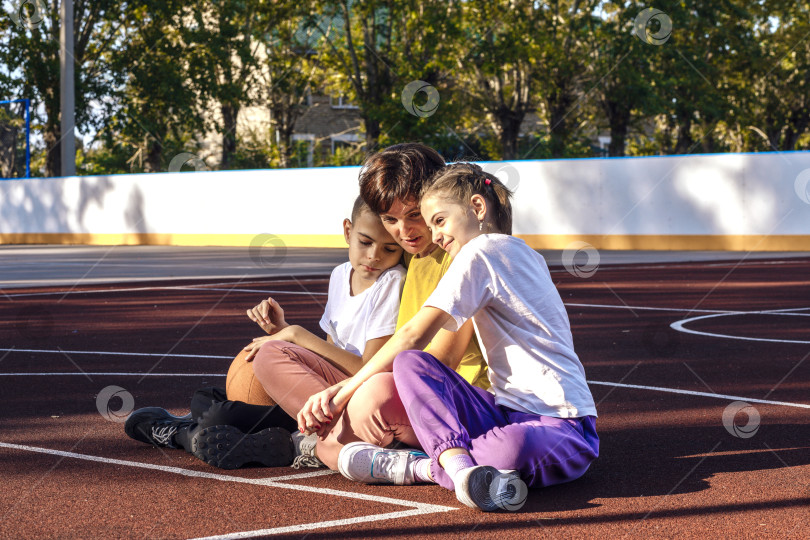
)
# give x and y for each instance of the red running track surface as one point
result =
(669, 466)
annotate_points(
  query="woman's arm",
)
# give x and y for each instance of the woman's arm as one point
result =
(415, 334)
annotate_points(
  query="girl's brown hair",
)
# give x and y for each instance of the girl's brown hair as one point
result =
(460, 181)
(397, 173)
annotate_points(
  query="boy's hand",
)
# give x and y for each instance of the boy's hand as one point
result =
(285, 334)
(254, 346)
(268, 315)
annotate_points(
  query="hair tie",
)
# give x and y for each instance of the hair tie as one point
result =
(487, 181)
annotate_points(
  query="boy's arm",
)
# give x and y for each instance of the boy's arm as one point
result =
(342, 359)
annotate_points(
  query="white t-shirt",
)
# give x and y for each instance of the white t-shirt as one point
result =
(351, 321)
(521, 323)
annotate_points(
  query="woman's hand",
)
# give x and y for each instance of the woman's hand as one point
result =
(320, 412)
(268, 315)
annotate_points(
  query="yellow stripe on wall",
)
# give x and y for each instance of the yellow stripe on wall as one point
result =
(673, 242)
(157, 239)
(536, 241)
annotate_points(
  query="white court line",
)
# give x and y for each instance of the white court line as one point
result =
(718, 311)
(110, 353)
(645, 308)
(253, 291)
(704, 394)
(112, 374)
(600, 383)
(606, 306)
(172, 288)
(687, 264)
(320, 525)
(417, 507)
(679, 326)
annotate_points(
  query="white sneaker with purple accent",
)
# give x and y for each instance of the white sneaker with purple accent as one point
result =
(371, 464)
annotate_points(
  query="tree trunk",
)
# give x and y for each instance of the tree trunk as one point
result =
(8, 150)
(286, 144)
(230, 114)
(372, 133)
(618, 117)
(508, 125)
(684, 143)
(559, 105)
(154, 154)
(53, 148)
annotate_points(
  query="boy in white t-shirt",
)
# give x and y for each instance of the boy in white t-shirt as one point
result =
(292, 363)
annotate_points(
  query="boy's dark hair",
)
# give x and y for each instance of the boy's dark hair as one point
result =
(358, 208)
(397, 173)
(460, 181)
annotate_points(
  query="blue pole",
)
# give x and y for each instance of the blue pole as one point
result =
(27, 131)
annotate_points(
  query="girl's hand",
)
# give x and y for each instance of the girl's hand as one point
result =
(268, 315)
(320, 412)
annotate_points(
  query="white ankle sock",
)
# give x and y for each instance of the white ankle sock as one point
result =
(458, 463)
(420, 469)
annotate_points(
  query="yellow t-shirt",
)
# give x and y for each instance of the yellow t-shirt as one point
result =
(423, 275)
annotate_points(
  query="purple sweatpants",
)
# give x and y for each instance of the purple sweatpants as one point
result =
(447, 412)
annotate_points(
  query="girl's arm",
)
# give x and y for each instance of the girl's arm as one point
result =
(415, 334)
(449, 347)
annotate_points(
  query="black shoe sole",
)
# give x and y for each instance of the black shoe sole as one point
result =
(226, 447)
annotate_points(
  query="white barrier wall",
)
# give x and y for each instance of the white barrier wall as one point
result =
(724, 201)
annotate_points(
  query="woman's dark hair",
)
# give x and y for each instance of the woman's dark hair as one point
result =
(397, 173)
(460, 181)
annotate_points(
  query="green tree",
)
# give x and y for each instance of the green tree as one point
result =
(562, 70)
(223, 61)
(374, 48)
(288, 70)
(498, 65)
(156, 110)
(623, 74)
(29, 52)
(781, 89)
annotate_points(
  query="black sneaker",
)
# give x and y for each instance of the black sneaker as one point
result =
(155, 426)
(228, 448)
